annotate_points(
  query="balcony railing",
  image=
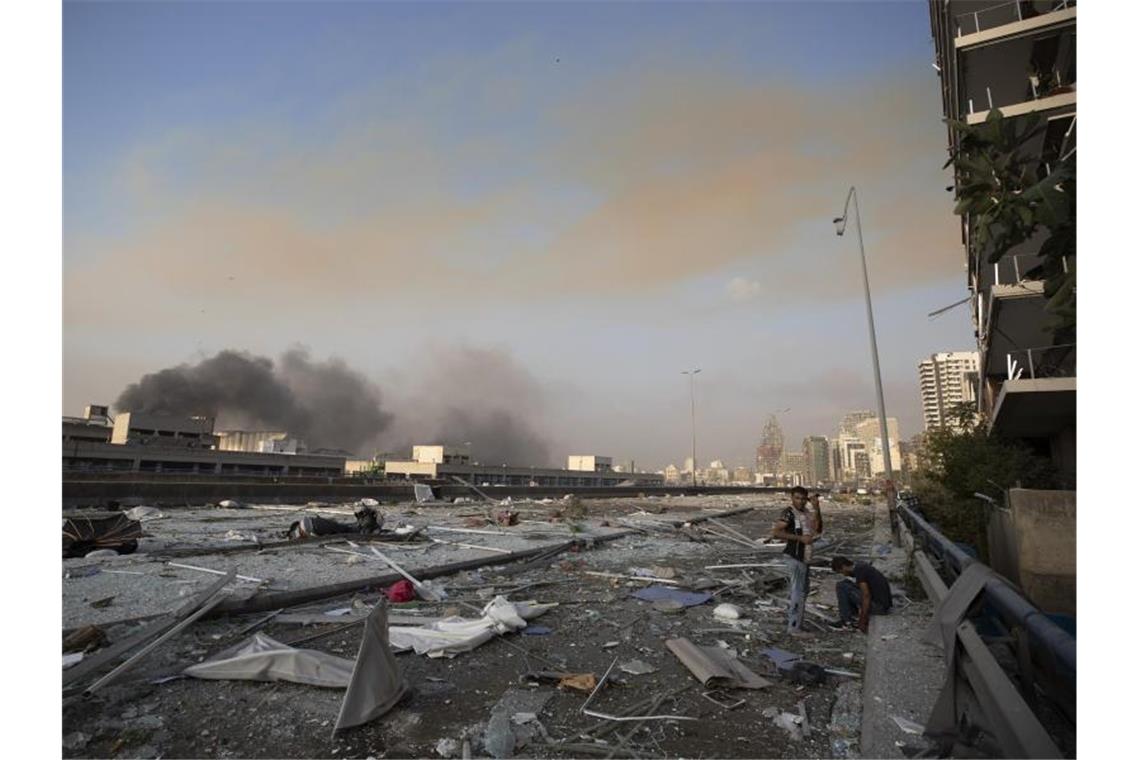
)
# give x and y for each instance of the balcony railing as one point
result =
(1011, 270)
(1044, 362)
(1000, 15)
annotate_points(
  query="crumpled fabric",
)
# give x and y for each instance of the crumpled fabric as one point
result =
(450, 636)
(266, 659)
(377, 684)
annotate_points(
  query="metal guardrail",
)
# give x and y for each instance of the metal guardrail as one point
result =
(1010, 270)
(1014, 609)
(973, 22)
(1042, 362)
(1045, 653)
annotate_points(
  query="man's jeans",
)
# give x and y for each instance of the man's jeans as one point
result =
(798, 585)
(850, 599)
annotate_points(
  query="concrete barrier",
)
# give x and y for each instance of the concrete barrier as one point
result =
(1045, 524)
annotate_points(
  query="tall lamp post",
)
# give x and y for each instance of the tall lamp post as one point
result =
(840, 228)
(692, 373)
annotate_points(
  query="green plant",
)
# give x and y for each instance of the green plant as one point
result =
(1009, 193)
(957, 463)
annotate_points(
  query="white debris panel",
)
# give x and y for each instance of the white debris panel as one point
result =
(450, 636)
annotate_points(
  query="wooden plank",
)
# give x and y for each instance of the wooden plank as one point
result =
(131, 661)
(157, 628)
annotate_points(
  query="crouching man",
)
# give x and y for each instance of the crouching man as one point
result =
(868, 594)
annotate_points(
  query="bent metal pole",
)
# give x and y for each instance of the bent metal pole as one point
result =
(841, 226)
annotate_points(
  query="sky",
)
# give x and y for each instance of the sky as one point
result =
(552, 208)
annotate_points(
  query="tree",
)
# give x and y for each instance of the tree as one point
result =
(1008, 193)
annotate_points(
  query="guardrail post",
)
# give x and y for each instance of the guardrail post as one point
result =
(1025, 666)
(1029, 358)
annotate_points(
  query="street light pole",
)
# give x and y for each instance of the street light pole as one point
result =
(693, 410)
(840, 227)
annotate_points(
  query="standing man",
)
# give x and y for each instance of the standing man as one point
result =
(815, 523)
(794, 528)
(869, 593)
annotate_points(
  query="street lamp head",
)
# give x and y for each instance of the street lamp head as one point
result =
(840, 223)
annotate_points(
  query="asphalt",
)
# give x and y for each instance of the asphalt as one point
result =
(903, 674)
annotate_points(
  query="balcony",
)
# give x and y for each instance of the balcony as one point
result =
(1009, 18)
(1043, 362)
(1029, 73)
(1014, 316)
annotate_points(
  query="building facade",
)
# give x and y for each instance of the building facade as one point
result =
(590, 463)
(144, 429)
(845, 461)
(172, 445)
(770, 452)
(946, 380)
(817, 460)
(1020, 58)
(868, 431)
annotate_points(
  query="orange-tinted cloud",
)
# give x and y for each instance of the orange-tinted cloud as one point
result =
(669, 174)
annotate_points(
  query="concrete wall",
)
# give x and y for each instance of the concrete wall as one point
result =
(1045, 524)
(1001, 540)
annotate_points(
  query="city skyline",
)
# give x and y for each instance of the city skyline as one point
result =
(569, 203)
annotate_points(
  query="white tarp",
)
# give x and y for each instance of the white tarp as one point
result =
(265, 659)
(450, 636)
(373, 683)
(144, 513)
(377, 683)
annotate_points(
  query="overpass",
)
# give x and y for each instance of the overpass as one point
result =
(103, 489)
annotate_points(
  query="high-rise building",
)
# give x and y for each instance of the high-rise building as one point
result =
(770, 452)
(947, 380)
(868, 431)
(1019, 58)
(843, 458)
(793, 463)
(852, 419)
(817, 462)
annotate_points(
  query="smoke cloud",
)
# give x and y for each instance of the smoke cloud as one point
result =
(326, 404)
(461, 394)
(455, 395)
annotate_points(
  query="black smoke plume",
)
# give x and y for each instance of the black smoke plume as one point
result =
(326, 404)
(458, 394)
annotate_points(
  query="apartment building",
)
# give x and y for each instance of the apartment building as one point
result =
(947, 379)
(1019, 57)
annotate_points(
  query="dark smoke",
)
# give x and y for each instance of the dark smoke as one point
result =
(497, 437)
(326, 404)
(461, 394)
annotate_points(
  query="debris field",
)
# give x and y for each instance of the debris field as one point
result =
(654, 627)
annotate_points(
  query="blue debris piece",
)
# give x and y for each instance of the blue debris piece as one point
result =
(783, 659)
(659, 593)
(537, 630)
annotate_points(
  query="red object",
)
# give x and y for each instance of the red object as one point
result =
(400, 591)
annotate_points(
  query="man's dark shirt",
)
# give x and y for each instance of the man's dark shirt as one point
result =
(793, 548)
(880, 587)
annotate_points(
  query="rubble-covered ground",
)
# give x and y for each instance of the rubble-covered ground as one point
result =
(482, 697)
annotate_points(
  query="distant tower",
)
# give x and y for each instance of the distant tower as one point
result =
(947, 379)
(770, 452)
